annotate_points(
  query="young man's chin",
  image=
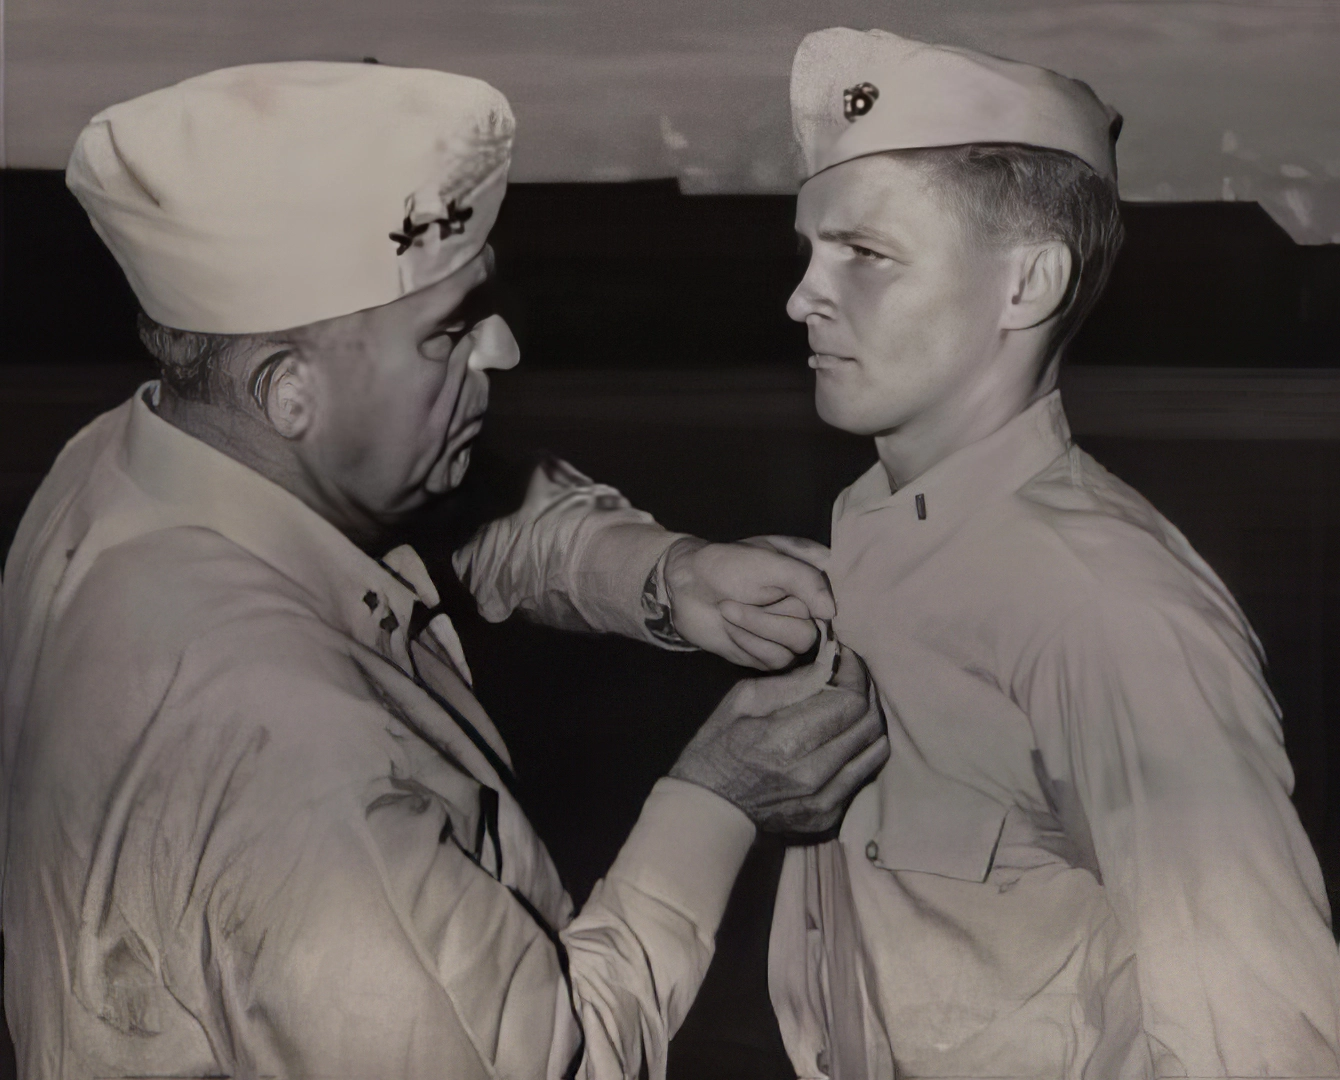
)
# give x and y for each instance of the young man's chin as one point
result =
(844, 410)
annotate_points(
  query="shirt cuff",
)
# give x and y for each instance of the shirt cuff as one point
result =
(613, 572)
(657, 613)
(686, 850)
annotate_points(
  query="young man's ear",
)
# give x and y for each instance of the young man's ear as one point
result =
(1041, 279)
(281, 389)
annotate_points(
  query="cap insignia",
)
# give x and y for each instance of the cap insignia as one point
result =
(409, 233)
(858, 100)
(452, 224)
(455, 220)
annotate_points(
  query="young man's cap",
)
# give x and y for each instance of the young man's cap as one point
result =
(270, 196)
(855, 93)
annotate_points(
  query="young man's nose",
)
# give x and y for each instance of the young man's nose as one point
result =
(807, 299)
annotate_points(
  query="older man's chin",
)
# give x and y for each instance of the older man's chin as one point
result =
(448, 472)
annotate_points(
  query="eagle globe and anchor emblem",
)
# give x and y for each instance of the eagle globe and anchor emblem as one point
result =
(859, 100)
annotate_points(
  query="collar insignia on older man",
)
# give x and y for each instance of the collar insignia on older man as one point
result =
(859, 100)
(409, 233)
(455, 220)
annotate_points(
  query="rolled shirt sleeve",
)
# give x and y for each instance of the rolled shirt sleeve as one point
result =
(576, 555)
(1160, 713)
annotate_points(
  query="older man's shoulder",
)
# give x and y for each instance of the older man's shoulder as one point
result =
(182, 617)
(180, 639)
(172, 585)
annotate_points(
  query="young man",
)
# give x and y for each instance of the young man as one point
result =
(257, 823)
(1081, 859)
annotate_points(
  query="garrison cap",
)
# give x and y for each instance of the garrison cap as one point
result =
(855, 93)
(269, 196)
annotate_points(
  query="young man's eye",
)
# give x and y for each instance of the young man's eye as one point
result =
(866, 253)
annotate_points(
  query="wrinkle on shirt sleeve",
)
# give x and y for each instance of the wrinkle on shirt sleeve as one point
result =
(346, 934)
(641, 946)
(574, 556)
(1177, 756)
(340, 935)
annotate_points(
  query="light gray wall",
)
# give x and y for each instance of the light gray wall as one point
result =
(1221, 99)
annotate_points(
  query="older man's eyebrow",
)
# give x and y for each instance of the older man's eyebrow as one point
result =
(478, 304)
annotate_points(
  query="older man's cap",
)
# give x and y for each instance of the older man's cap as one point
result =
(270, 196)
(855, 93)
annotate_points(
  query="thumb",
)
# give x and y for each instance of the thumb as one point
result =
(762, 697)
(795, 576)
(798, 547)
(848, 671)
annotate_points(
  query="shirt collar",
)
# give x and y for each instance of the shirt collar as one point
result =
(195, 484)
(948, 492)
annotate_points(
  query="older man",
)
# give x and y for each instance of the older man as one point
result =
(258, 825)
(1081, 860)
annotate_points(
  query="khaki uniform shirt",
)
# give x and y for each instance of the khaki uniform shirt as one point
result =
(1081, 859)
(256, 829)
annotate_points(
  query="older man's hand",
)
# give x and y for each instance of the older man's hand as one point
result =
(753, 602)
(792, 750)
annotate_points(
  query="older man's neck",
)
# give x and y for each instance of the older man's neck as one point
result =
(959, 421)
(248, 440)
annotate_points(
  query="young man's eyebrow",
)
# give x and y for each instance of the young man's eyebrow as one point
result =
(859, 235)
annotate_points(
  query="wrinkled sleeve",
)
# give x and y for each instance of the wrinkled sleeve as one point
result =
(351, 928)
(576, 555)
(1178, 760)
(402, 957)
(640, 947)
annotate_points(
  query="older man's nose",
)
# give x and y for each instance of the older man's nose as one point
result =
(495, 349)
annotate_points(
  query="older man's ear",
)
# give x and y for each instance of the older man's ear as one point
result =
(281, 387)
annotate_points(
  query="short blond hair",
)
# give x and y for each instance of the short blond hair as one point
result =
(1008, 194)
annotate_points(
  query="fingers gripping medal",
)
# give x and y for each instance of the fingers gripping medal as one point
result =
(828, 657)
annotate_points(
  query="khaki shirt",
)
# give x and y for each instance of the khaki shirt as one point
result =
(255, 830)
(1081, 859)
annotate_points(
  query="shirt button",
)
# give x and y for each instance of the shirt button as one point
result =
(872, 851)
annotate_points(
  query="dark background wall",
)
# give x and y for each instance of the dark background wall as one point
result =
(639, 276)
(657, 357)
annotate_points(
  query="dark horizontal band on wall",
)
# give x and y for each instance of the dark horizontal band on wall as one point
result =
(1152, 403)
(1130, 402)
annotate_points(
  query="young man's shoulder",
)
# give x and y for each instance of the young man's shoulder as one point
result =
(1084, 536)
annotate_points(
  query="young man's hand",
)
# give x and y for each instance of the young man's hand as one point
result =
(753, 602)
(792, 750)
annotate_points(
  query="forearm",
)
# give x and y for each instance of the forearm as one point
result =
(640, 947)
(576, 555)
